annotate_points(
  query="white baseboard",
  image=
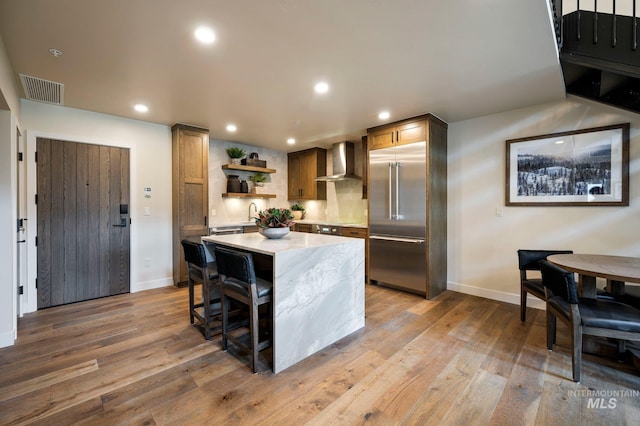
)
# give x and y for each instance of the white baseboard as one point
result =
(8, 338)
(501, 296)
(148, 285)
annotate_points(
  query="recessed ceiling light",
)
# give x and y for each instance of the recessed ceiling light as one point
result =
(55, 52)
(231, 128)
(384, 115)
(291, 141)
(141, 108)
(205, 35)
(559, 142)
(321, 87)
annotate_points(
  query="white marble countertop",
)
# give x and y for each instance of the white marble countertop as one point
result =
(292, 241)
(331, 223)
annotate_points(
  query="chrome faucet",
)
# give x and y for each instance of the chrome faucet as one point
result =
(255, 210)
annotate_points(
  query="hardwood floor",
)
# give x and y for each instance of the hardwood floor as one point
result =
(458, 359)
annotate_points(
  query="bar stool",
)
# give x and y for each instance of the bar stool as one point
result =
(206, 274)
(239, 283)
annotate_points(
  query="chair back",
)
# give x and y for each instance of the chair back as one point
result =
(559, 281)
(194, 253)
(528, 260)
(235, 264)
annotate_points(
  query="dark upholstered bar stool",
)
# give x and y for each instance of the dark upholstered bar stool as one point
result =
(528, 260)
(239, 283)
(206, 274)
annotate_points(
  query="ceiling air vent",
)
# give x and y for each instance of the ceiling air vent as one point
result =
(37, 89)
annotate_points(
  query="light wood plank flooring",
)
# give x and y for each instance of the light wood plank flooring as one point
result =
(458, 359)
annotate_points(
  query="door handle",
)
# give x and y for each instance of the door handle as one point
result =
(398, 239)
(390, 199)
(397, 192)
(122, 224)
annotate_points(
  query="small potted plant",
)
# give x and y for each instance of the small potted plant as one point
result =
(236, 154)
(298, 211)
(274, 222)
(258, 182)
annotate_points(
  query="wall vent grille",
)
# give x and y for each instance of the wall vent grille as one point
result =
(38, 89)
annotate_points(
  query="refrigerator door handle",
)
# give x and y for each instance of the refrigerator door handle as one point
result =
(399, 239)
(390, 199)
(397, 216)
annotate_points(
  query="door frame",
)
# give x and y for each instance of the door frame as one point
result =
(30, 297)
(21, 213)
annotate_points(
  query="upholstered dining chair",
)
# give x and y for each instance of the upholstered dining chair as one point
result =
(240, 284)
(206, 274)
(596, 317)
(528, 261)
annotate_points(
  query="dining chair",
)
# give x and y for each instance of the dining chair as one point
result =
(240, 284)
(206, 274)
(595, 317)
(528, 261)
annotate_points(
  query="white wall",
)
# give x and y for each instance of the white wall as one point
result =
(482, 247)
(8, 235)
(150, 149)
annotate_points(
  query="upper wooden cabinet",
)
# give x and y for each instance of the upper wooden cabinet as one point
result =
(404, 132)
(190, 188)
(304, 167)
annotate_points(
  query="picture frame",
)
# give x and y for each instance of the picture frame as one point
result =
(588, 167)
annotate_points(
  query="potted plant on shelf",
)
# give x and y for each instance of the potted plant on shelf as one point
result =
(235, 154)
(258, 183)
(274, 222)
(298, 211)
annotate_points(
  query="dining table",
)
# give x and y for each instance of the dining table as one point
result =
(617, 270)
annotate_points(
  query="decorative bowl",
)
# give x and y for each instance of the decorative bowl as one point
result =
(274, 233)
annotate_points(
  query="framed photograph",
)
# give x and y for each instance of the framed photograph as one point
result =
(588, 167)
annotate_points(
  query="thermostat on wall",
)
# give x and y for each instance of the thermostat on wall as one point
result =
(147, 192)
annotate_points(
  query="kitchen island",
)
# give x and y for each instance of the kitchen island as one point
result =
(318, 289)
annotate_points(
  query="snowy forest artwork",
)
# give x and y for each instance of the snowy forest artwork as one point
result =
(586, 167)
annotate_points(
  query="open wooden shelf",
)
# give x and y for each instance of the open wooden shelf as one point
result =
(247, 168)
(246, 195)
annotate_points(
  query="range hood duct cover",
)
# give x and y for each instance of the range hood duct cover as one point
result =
(343, 154)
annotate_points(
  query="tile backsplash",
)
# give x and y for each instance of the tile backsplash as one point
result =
(344, 199)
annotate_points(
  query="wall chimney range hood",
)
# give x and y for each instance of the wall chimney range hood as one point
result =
(343, 154)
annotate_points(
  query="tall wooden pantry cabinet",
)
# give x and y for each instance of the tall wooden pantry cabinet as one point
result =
(190, 183)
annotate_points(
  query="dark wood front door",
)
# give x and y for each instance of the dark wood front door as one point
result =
(83, 221)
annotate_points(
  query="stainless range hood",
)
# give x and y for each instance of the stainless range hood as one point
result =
(343, 163)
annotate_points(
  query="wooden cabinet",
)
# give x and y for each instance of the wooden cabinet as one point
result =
(401, 133)
(302, 227)
(365, 167)
(303, 168)
(354, 232)
(190, 191)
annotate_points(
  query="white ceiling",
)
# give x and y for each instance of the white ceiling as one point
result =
(457, 59)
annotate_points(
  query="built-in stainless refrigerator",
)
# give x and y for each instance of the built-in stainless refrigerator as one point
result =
(398, 217)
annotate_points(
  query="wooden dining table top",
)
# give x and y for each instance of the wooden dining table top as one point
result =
(616, 268)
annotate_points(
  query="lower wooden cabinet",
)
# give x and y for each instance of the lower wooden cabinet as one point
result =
(302, 227)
